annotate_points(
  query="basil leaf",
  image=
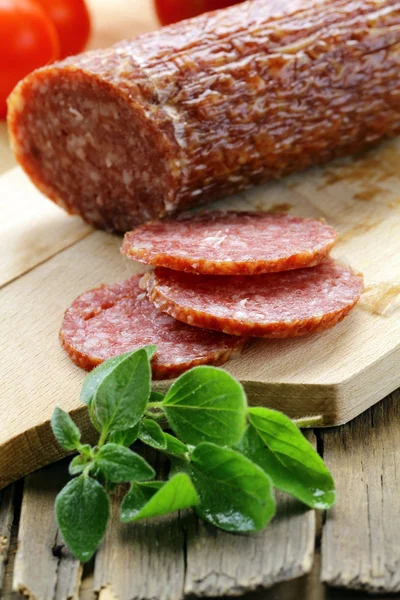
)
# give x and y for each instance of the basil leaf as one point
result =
(64, 429)
(77, 465)
(119, 464)
(275, 443)
(174, 446)
(121, 397)
(93, 381)
(151, 434)
(157, 498)
(206, 404)
(235, 494)
(82, 511)
(125, 437)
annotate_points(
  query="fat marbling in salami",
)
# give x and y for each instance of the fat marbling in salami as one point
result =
(113, 319)
(231, 243)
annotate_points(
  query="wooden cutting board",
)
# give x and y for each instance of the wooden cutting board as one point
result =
(48, 258)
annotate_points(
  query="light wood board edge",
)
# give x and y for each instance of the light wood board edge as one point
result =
(337, 404)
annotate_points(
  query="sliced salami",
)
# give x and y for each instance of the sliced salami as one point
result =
(276, 305)
(231, 243)
(113, 319)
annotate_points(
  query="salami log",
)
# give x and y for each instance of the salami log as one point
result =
(113, 319)
(209, 106)
(231, 243)
(276, 305)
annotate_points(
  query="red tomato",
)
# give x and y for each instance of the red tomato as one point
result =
(28, 40)
(72, 21)
(170, 11)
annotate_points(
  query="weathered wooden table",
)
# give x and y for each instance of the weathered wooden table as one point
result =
(354, 547)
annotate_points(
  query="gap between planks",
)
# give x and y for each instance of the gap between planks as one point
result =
(6, 520)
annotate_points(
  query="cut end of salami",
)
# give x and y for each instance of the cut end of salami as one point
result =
(231, 243)
(90, 149)
(118, 318)
(275, 305)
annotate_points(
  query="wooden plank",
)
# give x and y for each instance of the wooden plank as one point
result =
(307, 587)
(6, 521)
(223, 564)
(192, 558)
(217, 563)
(360, 543)
(141, 561)
(32, 229)
(44, 569)
(6, 591)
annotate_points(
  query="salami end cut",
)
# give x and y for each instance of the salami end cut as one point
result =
(117, 318)
(231, 243)
(275, 305)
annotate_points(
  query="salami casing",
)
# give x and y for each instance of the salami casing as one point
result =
(118, 318)
(275, 305)
(231, 243)
(209, 106)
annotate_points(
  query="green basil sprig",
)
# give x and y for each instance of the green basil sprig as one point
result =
(226, 458)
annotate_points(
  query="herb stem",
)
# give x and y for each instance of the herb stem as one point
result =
(86, 470)
(103, 438)
(151, 405)
(156, 416)
(306, 422)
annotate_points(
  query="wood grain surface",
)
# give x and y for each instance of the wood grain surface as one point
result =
(43, 567)
(360, 542)
(44, 230)
(336, 374)
(222, 564)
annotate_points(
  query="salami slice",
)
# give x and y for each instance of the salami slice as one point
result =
(209, 106)
(113, 319)
(231, 243)
(276, 305)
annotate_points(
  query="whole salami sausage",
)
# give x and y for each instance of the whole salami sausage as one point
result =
(209, 106)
